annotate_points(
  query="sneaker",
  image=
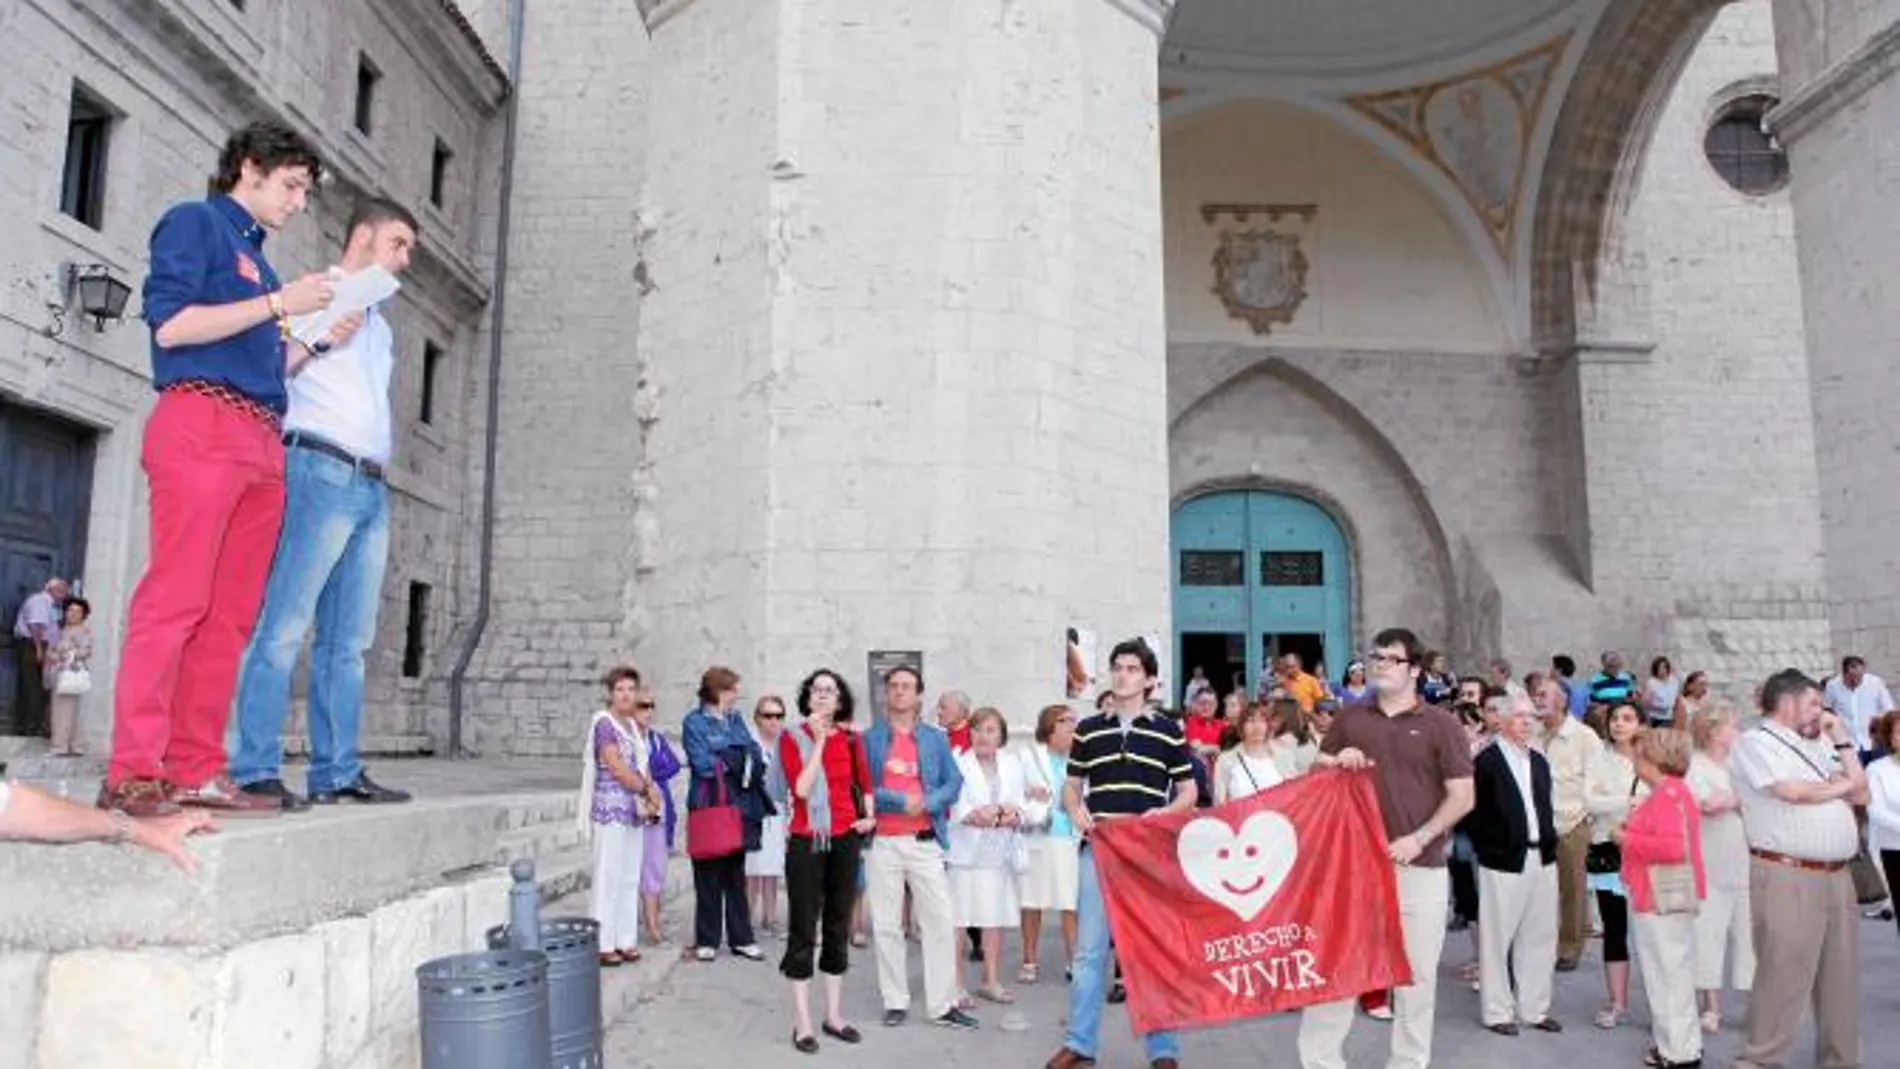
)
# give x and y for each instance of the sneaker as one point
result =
(223, 797)
(287, 800)
(894, 1018)
(138, 797)
(364, 791)
(704, 954)
(750, 952)
(956, 1018)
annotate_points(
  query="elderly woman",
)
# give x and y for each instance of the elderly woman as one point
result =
(69, 675)
(1050, 882)
(1722, 928)
(663, 763)
(619, 801)
(726, 766)
(1662, 869)
(987, 850)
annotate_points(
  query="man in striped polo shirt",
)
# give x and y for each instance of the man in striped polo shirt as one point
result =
(1127, 762)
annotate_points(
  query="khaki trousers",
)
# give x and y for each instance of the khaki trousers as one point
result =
(1517, 938)
(1806, 952)
(1423, 897)
(1573, 895)
(1665, 952)
(894, 863)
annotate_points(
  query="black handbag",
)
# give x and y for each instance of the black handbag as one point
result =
(1603, 859)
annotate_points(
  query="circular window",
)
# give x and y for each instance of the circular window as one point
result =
(1741, 151)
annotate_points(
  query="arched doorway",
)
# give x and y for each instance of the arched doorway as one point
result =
(1258, 574)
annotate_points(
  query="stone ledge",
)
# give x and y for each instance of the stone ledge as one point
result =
(256, 878)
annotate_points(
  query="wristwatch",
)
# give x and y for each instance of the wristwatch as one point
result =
(320, 347)
(1845, 746)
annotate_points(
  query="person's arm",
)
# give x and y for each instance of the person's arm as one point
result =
(1217, 777)
(1748, 762)
(34, 816)
(700, 755)
(969, 809)
(946, 793)
(802, 776)
(622, 772)
(1186, 793)
(1654, 836)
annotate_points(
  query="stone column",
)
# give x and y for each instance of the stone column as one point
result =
(906, 335)
(1840, 123)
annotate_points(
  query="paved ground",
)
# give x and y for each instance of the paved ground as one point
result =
(738, 1012)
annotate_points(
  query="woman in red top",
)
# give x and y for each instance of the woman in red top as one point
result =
(1665, 831)
(830, 782)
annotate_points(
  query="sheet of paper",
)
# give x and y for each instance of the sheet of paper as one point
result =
(350, 293)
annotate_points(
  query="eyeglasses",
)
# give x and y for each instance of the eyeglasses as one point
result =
(1381, 660)
(823, 688)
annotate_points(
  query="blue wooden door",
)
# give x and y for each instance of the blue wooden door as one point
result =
(1269, 570)
(45, 498)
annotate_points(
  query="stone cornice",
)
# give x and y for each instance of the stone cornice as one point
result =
(1813, 104)
(1152, 14)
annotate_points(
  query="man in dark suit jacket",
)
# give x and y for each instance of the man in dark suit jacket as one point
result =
(1515, 838)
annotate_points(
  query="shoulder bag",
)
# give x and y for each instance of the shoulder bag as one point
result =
(1672, 887)
(716, 830)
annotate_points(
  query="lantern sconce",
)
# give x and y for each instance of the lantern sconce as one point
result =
(100, 294)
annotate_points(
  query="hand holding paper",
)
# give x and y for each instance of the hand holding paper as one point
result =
(350, 294)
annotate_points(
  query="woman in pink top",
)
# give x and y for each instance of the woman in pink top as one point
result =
(1664, 832)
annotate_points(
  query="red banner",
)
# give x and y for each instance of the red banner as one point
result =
(1281, 900)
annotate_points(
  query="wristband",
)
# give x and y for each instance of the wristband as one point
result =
(1845, 746)
(276, 301)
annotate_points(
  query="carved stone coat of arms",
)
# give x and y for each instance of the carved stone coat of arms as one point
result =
(1260, 275)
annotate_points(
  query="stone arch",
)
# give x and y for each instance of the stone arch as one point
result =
(1602, 134)
(1238, 369)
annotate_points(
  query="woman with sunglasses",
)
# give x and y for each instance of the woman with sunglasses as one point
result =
(765, 866)
(619, 801)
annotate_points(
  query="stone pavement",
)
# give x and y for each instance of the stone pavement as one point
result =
(738, 1012)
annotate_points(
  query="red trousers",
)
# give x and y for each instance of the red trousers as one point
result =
(217, 480)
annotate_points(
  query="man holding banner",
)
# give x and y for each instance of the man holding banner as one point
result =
(1127, 764)
(1421, 767)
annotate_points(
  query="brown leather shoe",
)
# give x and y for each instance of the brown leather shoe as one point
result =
(1068, 1059)
(138, 797)
(219, 795)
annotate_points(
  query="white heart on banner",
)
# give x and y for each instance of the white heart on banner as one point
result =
(1242, 870)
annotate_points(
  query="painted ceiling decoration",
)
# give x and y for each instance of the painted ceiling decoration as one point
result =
(1477, 129)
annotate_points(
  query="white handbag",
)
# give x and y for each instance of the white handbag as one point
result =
(72, 681)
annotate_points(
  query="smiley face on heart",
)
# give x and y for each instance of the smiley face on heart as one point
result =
(1241, 870)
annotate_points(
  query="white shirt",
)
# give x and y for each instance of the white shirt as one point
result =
(1768, 754)
(1724, 844)
(1247, 776)
(1519, 762)
(38, 610)
(342, 397)
(1883, 807)
(1858, 707)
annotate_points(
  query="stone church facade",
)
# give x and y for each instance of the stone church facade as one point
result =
(828, 327)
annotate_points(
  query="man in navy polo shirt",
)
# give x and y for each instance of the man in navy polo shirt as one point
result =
(212, 455)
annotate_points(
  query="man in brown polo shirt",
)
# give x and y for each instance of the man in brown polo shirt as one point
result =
(1421, 768)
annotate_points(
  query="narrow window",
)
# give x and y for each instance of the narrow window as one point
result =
(366, 78)
(439, 172)
(431, 364)
(82, 194)
(415, 643)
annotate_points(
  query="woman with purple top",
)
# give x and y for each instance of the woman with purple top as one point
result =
(663, 764)
(620, 802)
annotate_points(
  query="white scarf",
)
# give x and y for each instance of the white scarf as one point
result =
(633, 750)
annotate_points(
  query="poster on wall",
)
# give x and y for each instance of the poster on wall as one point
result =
(1083, 653)
(880, 662)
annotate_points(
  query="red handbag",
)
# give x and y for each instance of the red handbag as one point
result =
(715, 831)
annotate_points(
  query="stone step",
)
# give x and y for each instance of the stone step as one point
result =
(538, 841)
(296, 746)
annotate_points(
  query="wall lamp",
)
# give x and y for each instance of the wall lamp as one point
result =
(100, 294)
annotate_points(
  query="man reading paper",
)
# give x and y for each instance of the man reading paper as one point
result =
(330, 559)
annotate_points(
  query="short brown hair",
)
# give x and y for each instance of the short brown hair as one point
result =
(1047, 719)
(269, 146)
(1882, 734)
(619, 672)
(716, 679)
(987, 712)
(1666, 748)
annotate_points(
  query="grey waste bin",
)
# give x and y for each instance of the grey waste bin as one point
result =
(572, 946)
(484, 1011)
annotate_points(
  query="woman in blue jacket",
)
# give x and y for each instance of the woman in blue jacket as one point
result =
(720, 748)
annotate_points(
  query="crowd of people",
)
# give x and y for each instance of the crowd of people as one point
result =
(1531, 812)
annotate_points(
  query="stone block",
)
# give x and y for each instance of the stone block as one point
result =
(403, 935)
(21, 979)
(276, 1005)
(139, 1009)
(347, 994)
(485, 905)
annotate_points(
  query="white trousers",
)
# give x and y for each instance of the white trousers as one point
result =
(1517, 938)
(1723, 936)
(1423, 897)
(619, 850)
(892, 864)
(1665, 952)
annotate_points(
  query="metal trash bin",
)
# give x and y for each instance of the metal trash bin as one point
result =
(484, 1011)
(572, 946)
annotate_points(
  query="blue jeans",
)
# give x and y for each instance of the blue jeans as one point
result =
(328, 570)
(1092, 972)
